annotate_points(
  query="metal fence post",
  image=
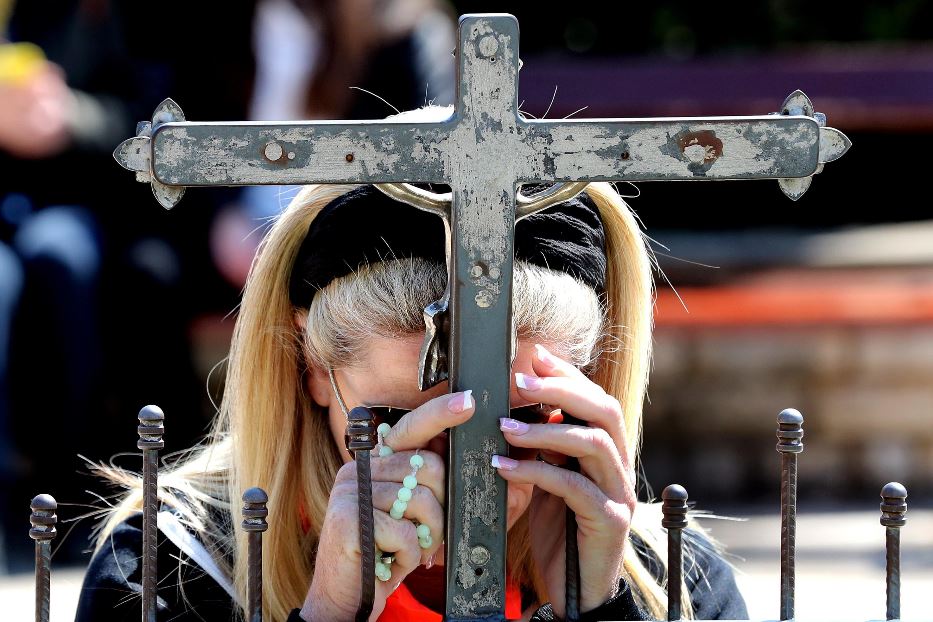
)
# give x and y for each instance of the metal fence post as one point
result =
(893, 517)
(150, 441)
(254, 524)
(674, 510)
(43, 519)
(790, 435)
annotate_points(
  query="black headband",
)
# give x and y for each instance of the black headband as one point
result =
(366, 226)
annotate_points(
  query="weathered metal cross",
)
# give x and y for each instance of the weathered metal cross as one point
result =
(484, 151)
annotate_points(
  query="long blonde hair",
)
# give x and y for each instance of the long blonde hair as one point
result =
(269, 433)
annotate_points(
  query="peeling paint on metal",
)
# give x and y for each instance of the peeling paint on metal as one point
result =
(197, 154)
(481, 155)
(641, 150)
(479, 504)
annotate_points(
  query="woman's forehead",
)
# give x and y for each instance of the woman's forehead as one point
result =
(388, 369)
(386, 373)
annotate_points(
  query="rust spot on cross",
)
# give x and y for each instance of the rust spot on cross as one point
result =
(700, 147)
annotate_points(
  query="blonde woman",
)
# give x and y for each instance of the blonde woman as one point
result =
(331, 318)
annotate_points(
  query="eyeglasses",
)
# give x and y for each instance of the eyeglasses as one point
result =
(531, 414)
(534, 413)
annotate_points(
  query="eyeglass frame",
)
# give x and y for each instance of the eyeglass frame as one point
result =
(531, 413)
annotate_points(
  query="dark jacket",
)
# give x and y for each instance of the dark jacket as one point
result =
(113, 585)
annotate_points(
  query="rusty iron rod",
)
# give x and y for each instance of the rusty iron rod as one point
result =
(893, 517)
(571, 551)
(43, 520)
(790, 443)
(150, 441)
(255, 512)
(674, 519)
(360, 439)
(572, 567)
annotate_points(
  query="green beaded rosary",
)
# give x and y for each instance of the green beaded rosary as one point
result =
(384, 560)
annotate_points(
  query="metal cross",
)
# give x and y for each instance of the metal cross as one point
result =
(484, 151)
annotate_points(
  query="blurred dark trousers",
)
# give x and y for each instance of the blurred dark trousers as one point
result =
(49, 356)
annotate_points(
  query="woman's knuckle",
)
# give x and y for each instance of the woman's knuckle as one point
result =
(620, 513)
(342, 511)
(423, 497)
(601, 439)
(611, 407)
(345, 472)
(433, 464)
(568, 479)
(406, 530)
(402, 428)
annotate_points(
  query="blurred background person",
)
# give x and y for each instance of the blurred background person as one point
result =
(104, 295)
(95, 312)
(322, 59)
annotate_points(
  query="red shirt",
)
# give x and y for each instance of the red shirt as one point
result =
(401, 606)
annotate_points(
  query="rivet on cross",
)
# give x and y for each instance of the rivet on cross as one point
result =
(484, 151)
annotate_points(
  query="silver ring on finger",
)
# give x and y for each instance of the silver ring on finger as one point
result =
(540, 458)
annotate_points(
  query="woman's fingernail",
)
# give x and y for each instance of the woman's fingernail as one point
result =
(430, 562)
(461, 401)
(513, 425)
(548, 359)
(529, 383)
(501, 462)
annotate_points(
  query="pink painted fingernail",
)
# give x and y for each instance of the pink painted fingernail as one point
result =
(545, 357)
(529, 383)
(506, 464)
(513, 425)
(430, 562)
(460, 402)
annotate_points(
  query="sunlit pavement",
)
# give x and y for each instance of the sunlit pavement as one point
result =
(840, 568)
(840, 564)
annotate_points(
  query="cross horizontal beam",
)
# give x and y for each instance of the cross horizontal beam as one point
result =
(245, 154)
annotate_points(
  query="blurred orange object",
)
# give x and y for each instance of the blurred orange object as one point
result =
(869, 297)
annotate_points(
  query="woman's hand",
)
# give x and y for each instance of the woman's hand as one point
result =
(335, 589)
(35, 114)
(602, 494)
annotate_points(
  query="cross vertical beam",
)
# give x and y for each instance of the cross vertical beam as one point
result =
(483, 222)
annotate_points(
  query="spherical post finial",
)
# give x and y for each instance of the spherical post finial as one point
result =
(674, 507)
(151, 428)
(894, 505)
(43, 517)
(255, 510)
(790, 431)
